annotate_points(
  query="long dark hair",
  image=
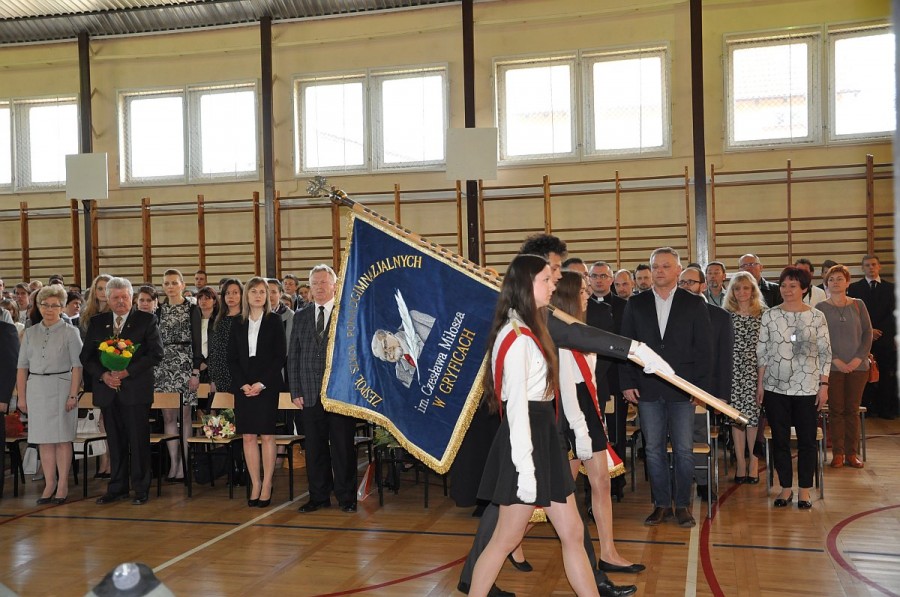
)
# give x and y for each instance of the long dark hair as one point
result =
(223, 308)
(567, 296)
(517, 292)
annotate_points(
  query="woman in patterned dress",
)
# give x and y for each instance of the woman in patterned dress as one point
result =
(794, 353)
(179, 370)
(229, 312)
(745, 303)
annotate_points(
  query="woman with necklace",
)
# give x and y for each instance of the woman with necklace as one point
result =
(745, 303)
(794, 354)
(851, 340)
(257, 351)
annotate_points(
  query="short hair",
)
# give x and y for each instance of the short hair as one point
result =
(719, 263)
(291, 277)
(867, 257)
(641, 266)
(171, 272)
(22, 286)
(11, 305)
(200, 271)
(543, 244)
(837, 268)
(73, 296)
(303, 285)
(699, 271)
(666, 251)
(624, 271)
(56, 278)
(694, 265)
(801, 276)
(828, 264)
(149, 290)
(806, 262)
(572, 261)
(378, 343)
(121, 284)
(323, 268)
(277, 283)
(600, 264)
(51, 290)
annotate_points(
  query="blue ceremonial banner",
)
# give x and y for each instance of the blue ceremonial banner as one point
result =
(408, 341)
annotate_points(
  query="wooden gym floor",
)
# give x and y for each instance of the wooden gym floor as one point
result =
(847, 545)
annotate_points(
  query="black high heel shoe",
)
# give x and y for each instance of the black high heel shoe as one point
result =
(783, 502)
(522, 566)
(253, 503)
(803, 504)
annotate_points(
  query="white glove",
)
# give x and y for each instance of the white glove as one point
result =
(527, 489)
(653, 363)
(583, 447)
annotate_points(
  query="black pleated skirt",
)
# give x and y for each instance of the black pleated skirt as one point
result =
(551, 465)
(594, 425)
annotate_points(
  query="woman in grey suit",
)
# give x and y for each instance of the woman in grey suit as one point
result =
(48, 378)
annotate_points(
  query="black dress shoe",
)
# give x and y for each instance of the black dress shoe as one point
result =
(312, 506)
(608, 589)
(751, 480)
(783, 502)
(804, 504)
(522, 566)
(59, 501)
(43, 500)
(140, 499)
(109, 498)
(658, 516)
(263, 503)
(351, 507)
(684, 518)
(630, 569)
(740, 480)
(495, 591)
(253, 503)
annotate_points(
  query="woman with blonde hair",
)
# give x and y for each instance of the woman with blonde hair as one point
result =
(745, 303)
(48, 380)
(95, 302)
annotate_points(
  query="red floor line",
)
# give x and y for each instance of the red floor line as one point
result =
(395, 581)
(835, 553)
(35, 511)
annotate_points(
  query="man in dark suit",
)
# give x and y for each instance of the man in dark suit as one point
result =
(9, 357)
(769, 290)
(125, 396)
(693, 280)
(327, 468)
(878, 295)
(675, 324)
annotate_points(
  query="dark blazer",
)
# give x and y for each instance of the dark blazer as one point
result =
(723, 352)
(137, 388)
(687, 345)
(9, 359)
(306, 356)
(606, 315)
(880, 303)
(270, 354)
(770, 292)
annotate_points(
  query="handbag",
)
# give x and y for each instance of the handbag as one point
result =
(88, 425)
(30, 461)
(874, 374)
(14, 426)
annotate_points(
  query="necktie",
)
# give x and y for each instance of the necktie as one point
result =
(872, 284)
(320, 321)
(118, 329)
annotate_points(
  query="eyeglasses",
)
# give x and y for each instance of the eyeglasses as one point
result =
(600, 277)
(49, 306)
(687, 283)
(749, 265)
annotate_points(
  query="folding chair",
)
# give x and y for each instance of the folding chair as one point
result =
(820, 460)
(220, 400)
(164, 400)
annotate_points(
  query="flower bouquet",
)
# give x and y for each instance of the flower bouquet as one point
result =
(220, 426)
(116, 353)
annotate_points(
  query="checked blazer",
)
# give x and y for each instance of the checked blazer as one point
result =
(306, 355)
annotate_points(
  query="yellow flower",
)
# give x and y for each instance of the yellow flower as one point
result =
(103, 346)
(126, 354)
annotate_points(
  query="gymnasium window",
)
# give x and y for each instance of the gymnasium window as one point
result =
(628, 105)
(861, 90)
(771, 95)
(197, 133)
(535, 108)
(45, 131)
(379, 120)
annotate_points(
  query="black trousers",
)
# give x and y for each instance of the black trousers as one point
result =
(128, 436)
(330, 455)
(784, 412)
(3, 453)
(881, 398)
(485, 531)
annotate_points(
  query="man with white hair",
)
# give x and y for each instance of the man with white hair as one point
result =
(404, 346)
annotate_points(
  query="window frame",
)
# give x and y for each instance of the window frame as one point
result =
(813, 39)
(10, 186)
(191, 137)
(20, 143)
(588, 59)
(500, 66)
(832, 36)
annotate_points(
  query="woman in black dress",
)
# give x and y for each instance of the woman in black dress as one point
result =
(228, 316)
(256, 355)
